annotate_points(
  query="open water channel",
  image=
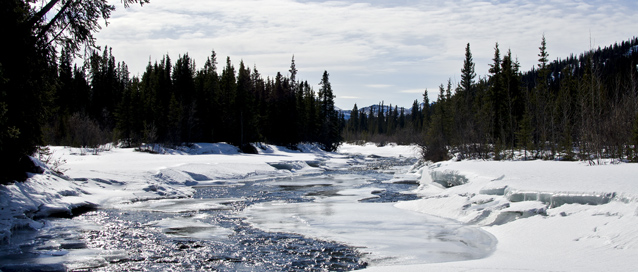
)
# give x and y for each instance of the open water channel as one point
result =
(337, 221)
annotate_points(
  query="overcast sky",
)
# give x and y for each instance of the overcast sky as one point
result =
(374, 50)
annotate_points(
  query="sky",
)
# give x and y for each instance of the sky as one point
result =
(374, 51)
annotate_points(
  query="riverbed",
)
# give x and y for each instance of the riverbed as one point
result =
(337, 220)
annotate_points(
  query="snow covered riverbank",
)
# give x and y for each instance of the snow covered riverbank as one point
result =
(545, 215)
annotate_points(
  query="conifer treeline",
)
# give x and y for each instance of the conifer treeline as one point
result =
(176, 103)
(583, 107)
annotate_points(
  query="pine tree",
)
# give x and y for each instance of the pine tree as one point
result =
(228, 88)
(467, 73)
(292, 98)
(64, 93)
(402, 118)
(381, 120)
(542, 99)
(278, 121)
(513, 103)
(497, 97)
(311, 111)
(463, 104)
(206, 93)
(293, 74)
(184, 90)
(415, 116)
(330, 136)
(434, 147)
(354, 120)
(543, 56)
(245, 109)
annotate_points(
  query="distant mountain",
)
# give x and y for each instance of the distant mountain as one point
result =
(375, 110)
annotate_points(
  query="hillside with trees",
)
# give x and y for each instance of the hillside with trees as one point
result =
(582, 107)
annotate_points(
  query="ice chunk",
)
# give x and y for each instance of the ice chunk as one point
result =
(448, 178)
(493, 190)
(288, 165)
(520, 210)
(556, 199)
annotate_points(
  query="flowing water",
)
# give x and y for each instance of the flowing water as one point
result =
(249, 226)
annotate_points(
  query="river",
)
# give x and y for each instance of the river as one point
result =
(335, 221)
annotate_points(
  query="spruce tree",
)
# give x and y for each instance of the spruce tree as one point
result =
(513, 106)
(467, 73)
(228, 88)
(426, 116)
(542, 100)
(206, 92)
(463, 104)
(497, 98)
(330, 136)
(354, 120)
(293, 74)
(245, 109)
(184, 90)
(311, 128)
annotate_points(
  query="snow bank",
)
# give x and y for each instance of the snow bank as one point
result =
(42, 195)
(389, 150)
(546, 215)
(470, 190)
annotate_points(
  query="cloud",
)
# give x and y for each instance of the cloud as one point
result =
(378, 86)
(375, 44)
(413, 91)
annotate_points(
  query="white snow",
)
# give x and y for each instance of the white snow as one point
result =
(511, 215)
(546, 235)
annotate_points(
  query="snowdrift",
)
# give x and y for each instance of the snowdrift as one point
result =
(546, 215)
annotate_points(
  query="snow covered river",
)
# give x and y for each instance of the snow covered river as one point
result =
(339, 220)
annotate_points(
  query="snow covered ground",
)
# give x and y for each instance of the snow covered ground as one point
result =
(545, 215)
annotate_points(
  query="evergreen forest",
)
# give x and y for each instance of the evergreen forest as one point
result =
(175, 103)
(581, 107)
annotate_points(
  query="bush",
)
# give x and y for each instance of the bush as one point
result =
(85, 132)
